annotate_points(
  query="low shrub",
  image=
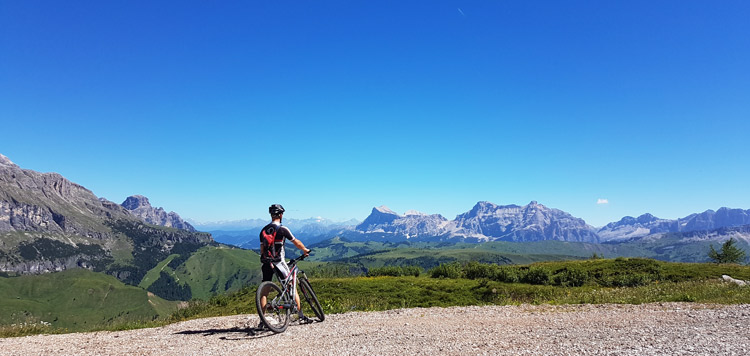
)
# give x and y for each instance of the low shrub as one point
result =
(452, 270)
(395, 271)
(570, 277)
(476, 270)
(537, 275)
(507, 274)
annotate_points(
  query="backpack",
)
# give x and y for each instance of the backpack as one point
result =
(268, 239)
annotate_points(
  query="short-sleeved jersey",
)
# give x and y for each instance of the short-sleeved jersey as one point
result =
(282, 234)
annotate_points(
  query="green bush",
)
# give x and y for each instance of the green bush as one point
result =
(507, 274)
(537, 275)
(392, 271)
(476, 270)
(415, 271)
(570, 277)
(448, 270)
(395, 271)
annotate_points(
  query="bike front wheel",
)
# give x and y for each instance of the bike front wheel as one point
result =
(311, 298)
(273, 307)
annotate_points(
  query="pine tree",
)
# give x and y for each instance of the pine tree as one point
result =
(730, 253)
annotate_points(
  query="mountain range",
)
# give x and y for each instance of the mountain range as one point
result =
(647, 224)
(532, 222)
(487, 221)
(48, 223)
(484, 222)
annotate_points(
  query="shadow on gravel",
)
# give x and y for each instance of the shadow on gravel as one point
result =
(235, 333)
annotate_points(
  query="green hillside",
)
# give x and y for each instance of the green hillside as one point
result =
(427, 255)
(670, 247)
(429, 258)
(209, 271)
(153, 274)
(76, 299)
(337, 248)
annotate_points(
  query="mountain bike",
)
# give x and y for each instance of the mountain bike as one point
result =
(280, 300)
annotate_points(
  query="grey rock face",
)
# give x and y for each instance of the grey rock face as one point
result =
(33, 201)
(709, 219)
(647, 224)
(379, 216)
(485, 222)
(630, 227)
(26, 217)
(56, 224)
(532, 222)
(411, 225)
(139, 206)
(136, 201)
(5, 161)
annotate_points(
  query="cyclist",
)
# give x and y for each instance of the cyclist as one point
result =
(272, 256)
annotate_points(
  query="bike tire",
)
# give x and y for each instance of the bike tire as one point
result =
(312, 299)
(275, 318)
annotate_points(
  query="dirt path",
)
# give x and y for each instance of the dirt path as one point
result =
(651, 329)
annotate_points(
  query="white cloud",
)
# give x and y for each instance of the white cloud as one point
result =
(602, 201)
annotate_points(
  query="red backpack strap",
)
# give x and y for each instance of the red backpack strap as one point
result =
(268, 235)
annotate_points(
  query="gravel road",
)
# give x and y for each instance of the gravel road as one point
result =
(649, 329)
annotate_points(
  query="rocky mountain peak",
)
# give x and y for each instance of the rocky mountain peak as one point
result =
(139, 206)
(410, 225)
(5, 161)
(136, 201)
(379, 215)
(384, 210)
(480, 208)
(646, 218)
(485, 205)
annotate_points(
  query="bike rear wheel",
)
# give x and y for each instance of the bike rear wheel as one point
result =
(273, 313)
(311, 298)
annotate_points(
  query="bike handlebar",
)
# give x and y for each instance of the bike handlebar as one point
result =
(300, 258)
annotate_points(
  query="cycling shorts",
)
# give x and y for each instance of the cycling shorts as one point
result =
(281, 269)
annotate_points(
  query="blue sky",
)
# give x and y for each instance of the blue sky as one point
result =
(216, 109)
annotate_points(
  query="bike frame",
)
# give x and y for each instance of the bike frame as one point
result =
(289, 292)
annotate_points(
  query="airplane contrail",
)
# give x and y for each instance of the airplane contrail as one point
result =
(462, 12)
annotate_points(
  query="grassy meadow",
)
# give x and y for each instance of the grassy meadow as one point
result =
(597, 281)
(74, 300)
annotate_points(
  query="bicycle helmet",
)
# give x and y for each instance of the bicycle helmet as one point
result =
(276, 209)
